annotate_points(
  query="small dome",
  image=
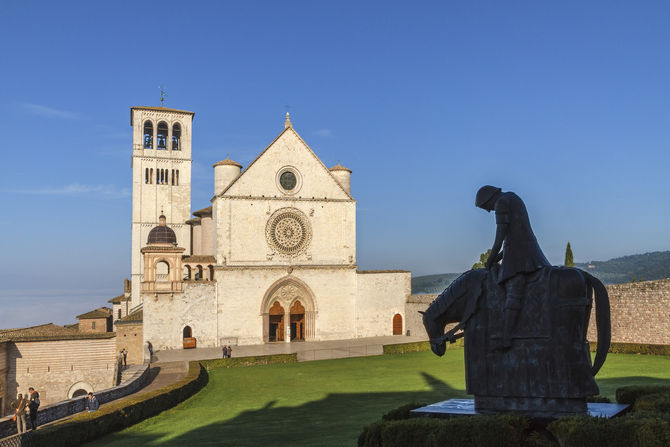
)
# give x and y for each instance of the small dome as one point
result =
(162, 234)
(339, 167)
(227, 162)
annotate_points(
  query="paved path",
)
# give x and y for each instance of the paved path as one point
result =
(306, 350)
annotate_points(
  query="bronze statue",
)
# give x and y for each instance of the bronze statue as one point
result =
(524, 322)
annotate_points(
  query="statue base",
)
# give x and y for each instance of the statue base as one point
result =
(469, 407)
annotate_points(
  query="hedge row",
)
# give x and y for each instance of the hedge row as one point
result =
(635, 348)
(648, 425)
(117, 415)
(249, 361)
(418, 346)
(482, 431)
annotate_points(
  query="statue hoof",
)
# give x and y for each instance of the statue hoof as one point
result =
(438, 348)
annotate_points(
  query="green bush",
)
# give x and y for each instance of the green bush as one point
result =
(402, 412)
(237, 362)
(658, 402)
(117, 415)
(623, 431)
(418, 346)
(635, 348)
(630, 394)
(484, 431)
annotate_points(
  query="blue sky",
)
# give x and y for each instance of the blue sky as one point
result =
(566, 103)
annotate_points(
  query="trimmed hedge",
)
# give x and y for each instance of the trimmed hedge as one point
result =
(418, 346)
(237, 362)
(658, 402)
(625, 431)
(483, 431)
(635, 348)
(630, 394)
(117, 415)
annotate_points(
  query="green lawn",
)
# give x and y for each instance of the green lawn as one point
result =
(326, 403)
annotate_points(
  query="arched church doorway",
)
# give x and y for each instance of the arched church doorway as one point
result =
(297, 322)
(188, 333)
(80, 392)
(276, 315)
(289, 311)
(397, 324)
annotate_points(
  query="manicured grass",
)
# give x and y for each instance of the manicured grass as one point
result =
(328, 402)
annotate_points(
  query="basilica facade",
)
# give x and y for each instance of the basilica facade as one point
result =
(272, 259)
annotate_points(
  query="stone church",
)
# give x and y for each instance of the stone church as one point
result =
(272, 259)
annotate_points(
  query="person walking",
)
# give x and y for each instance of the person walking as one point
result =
(230, 351)
(92, 403)
(151, 349)
(19, 406)
(33, 405)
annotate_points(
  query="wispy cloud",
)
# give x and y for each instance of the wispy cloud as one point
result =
(324, 133)
(50, 112)
(76, 189)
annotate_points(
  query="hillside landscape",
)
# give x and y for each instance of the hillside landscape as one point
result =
(644, 267)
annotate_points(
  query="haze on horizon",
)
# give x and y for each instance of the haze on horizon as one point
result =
(566, 104)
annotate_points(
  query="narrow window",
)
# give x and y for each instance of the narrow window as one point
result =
(173, 177)
(146, 175)
(176, 137)
(177, 183)
(161, 135)
(158, 176)
(119, 314)
(151, 175)
(211, 272)
(148, 135)
(93, 325)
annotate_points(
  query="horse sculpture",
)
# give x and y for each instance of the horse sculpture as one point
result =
(547, 371)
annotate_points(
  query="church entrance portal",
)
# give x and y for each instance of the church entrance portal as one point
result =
(276, 322)
(288, 312)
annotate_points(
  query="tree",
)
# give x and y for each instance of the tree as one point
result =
(482, 260)
(569, 259)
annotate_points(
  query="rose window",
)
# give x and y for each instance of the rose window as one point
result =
(288, 231)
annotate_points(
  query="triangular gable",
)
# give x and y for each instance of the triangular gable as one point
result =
(311, 168)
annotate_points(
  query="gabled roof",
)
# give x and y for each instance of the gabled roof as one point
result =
(199, 258)
(102, 312)
(203, 212)
(119, 299)
(48, 332)
(135, 317)
(287, 129)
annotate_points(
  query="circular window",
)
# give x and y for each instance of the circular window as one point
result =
(288, 231)
(288, 180)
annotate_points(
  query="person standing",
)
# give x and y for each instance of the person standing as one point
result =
(19, 406)
(230, 351)
(124, 353)
(33, 405)
(151, 349)
(92, 403)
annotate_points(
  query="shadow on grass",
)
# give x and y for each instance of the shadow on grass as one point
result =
(336, 420)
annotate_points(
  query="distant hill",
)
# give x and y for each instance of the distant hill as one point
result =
(432, 283)
(645, 267)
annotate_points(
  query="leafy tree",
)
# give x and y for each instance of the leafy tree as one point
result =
(482, 260)
(569, 259)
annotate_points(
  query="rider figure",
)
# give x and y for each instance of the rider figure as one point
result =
(521, 253)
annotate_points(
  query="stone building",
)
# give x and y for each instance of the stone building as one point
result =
(273, 259)
(60, 362)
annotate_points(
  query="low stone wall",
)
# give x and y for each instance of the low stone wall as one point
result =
(640, 313)
(413, 319)
(59, 410)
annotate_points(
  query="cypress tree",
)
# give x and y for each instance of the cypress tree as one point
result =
(569, 259)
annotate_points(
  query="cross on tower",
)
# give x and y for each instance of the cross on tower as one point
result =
(163, 94)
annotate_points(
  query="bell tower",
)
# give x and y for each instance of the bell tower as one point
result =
(161, 164)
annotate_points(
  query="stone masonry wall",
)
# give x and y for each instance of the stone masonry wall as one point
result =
(54, 367)
(413, 319)
(129, 336)
(640, 313)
